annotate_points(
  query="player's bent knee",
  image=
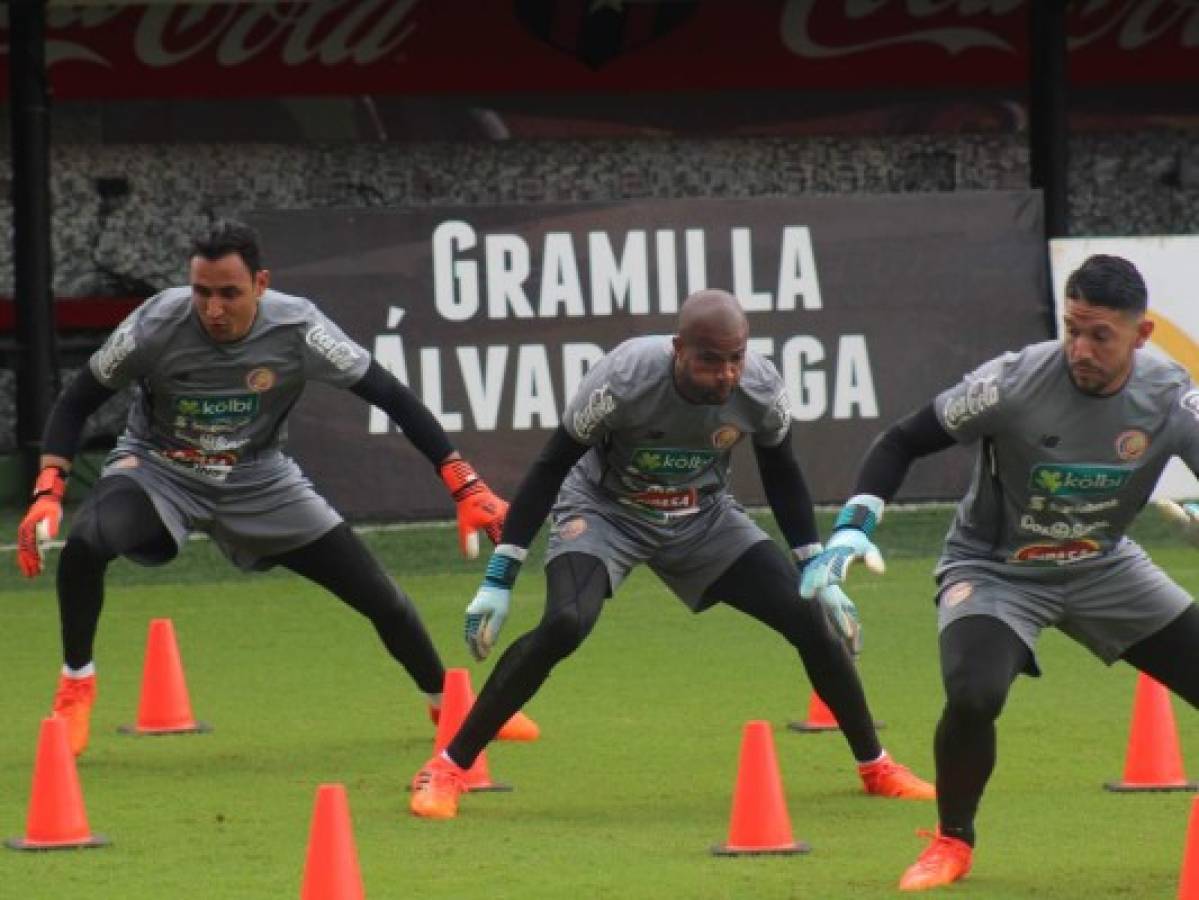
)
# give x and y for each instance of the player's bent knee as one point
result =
(560, 634)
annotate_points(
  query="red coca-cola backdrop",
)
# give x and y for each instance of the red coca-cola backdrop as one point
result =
(415, 46)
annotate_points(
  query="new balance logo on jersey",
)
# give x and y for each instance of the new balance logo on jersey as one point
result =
(1060, 479)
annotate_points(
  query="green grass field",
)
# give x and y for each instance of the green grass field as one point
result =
(631, 782)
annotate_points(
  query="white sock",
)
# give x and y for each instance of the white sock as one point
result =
(84, 672)
(881, 757)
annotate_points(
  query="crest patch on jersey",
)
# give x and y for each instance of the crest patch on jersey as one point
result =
(1131, 444)
(725, 436)
(957, 593)
(572, 528)
(260, 380)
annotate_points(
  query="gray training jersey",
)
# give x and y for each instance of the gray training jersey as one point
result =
(1061, 474)
(213, 409)
(655, 453)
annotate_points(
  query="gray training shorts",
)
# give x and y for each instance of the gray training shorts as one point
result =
(1107, 605)
(269, 510)
(688, 553)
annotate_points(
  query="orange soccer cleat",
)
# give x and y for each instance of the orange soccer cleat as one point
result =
(944, 861)
(886, 778)
(73, 703)
(436, 788)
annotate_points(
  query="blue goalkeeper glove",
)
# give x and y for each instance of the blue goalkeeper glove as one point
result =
(486, 613)
(838, 607)
(844, 615)
(851, 540)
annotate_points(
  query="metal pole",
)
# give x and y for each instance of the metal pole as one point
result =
(37, 373)
(1048, 136)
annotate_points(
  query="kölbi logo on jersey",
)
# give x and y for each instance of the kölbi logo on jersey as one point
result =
(1058, 479)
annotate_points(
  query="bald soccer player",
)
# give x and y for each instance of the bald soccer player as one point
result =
(640, 467)
(217, 366)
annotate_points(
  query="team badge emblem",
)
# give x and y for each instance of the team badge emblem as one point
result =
(572, 528)
(260, 380)
(957, 593)
(725, 436)
(1131, 444)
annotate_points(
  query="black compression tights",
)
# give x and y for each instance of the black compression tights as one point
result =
(576, 587)
(341, 564)
(980, 658)
(118, 519)
(763, 583)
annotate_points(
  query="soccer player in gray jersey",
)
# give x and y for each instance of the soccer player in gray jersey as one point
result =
(640, 469)
(217, 366)
(1071, 438)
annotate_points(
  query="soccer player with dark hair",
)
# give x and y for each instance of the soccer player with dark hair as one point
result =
(639, 467)
(217, 366)
(1071, 438)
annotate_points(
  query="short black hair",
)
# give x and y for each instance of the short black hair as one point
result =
(227, 236)
(1110, 281)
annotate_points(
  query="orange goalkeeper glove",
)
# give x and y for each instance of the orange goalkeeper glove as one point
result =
(478, 508)
(41, 522)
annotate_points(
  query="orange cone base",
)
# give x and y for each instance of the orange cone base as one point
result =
(92, 840)
(191, 728)
(1130, 787)
(490, 787)
(813, 727)
(784, 850)
(810, 727)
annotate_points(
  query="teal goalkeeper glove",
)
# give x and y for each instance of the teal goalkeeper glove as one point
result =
(838, 607)
(1185, 516)
(851, 540)
(844, 616)
(486, 613)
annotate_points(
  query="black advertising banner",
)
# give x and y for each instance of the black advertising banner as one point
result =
(868, 305)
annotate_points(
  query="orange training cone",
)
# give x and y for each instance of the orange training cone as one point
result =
(759, 823)
(165, 707)
(820, 717)
(331, 868)
(456, 700)
(57, 819)
(1153, 762)
(1188, 882)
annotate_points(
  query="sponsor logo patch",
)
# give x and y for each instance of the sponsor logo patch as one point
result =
(669, 461)
(957, 593)
(599, 405)
(725, 436)
(341, 354)
(1059, 480)
(229, 409)
(1065, 552)
(1131, 444)
(260, 380)
(1190, 402)
(115, 351)
(974, 399)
